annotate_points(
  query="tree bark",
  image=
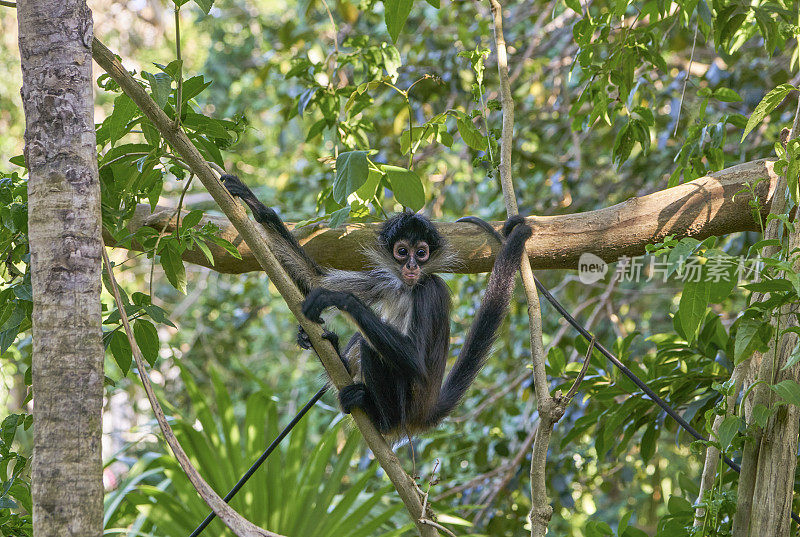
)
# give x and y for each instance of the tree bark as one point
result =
(706, 206)
(65, 243)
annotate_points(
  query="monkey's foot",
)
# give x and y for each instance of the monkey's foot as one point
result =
(304, 342)
(236, 187)
(352, 396)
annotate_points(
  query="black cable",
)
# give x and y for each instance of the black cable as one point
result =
(239, 484)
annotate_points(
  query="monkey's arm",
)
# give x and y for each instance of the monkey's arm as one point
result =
(395, 349)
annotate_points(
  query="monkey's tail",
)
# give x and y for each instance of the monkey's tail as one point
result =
(493, 308)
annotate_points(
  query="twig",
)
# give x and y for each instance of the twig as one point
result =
(510, 470)
(686, 79)
(237, 524)
(177, 214)
(504, 388)
(429, 522)
(549, 411)
(574, 388)
(179, 89)
(8, 4)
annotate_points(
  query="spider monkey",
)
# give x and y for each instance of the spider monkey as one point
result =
(402, 310)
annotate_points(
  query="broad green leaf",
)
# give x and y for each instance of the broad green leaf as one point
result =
(470, 134)
(396, 14)
(146, 337)
(192, 87)
(160, 86)
(749, 338)
(121, 350)
(124, 111)
(727, 431)
(407, 186)
(173, 267)
(205, 5)
(370, 187)
(767, 105)
(789, 391)
(337, 217)
(726, 95)
(692, 307)
(648, 444)
(191, 219)
(352, 171)
(391, 60)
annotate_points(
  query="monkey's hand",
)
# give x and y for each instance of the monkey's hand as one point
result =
(319, 299)
(513, 222)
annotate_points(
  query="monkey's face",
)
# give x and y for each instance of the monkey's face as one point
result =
(411, 256)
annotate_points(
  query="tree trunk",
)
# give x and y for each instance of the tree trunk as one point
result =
(65, 242)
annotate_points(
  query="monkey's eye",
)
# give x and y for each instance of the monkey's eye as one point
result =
(422, 253)
(400, 252)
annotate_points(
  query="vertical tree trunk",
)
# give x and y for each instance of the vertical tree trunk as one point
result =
(55, 37)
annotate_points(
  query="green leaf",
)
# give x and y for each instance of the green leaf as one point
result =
(749, 338)
(146, 337)
(726, 95)
(191, 219)
(692, 307)
(789, 391)
(470, 134)
(391, 60)
(173, 267)
(370, 187)
(407, 186)
(205, 5)
(160, 86)
(727, 431)
(213, 128)
(352, 171)
(121, 350)
(173, 69)
(767, 105)
(192, 87)
(227, 245)
(124, 111)
(337, 217)
(648, 445)
(396, 14)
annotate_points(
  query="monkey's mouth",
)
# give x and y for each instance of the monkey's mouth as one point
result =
(410, 277)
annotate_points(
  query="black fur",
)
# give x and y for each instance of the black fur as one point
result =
(400, 354)
(411, 226)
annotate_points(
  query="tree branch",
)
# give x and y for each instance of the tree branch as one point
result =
(706, 206)
(181, 145)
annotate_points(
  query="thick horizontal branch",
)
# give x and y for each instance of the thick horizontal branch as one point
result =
(717, 204)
